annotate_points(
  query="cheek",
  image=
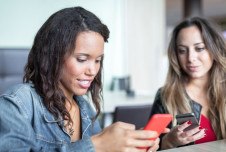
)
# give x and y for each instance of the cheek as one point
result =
(72, 69)
(207, 59)
(181, 60)
(98, 68)
(209, 63)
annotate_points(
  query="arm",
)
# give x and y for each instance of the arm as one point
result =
(123, 137)
(118, 136)
(176, 137)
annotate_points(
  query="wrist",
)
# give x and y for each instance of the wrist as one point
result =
(97, 143)
(166, 144)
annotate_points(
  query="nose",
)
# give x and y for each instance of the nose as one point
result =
(92, 69)
(192, 55)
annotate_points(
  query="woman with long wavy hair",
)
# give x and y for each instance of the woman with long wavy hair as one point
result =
(196, 83)
(48, 112)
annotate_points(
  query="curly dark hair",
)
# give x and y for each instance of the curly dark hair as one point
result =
(54, 40)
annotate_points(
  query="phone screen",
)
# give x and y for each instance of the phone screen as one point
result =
(182, 118)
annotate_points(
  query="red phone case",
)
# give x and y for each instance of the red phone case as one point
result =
(158, 123)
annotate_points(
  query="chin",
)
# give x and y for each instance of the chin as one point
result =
(196, 76)
(80, 92)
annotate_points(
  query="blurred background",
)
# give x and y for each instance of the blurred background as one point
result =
(135, 56)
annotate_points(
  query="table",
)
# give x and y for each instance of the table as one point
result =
(214, 146)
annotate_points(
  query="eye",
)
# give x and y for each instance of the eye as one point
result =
(98, 60)
(200, 49)
(182, 51)
(81, 60)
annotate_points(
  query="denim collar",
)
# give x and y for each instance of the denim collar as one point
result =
(50, 118)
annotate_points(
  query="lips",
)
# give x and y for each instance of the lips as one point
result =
(84, 83)
(193, 68)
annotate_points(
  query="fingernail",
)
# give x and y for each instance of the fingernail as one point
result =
(205, 135)
(200, 128)
(189, 122)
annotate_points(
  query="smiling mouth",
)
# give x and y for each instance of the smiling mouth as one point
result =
(84, 82)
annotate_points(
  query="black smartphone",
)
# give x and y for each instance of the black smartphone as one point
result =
(182, 118)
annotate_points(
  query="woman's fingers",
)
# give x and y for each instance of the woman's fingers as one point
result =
(166, 130)
(125, 125)
(184, 125)
(141, 143)
(126, 138)
(197, 136)
(155, 147)
(192, 135)
(140, 138)
(143, 134)
(190, 132)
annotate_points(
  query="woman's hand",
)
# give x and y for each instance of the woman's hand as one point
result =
(156, 145)
(177, 137)
(122, 137)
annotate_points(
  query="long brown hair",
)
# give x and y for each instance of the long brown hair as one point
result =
(173, 92)
(54, 40)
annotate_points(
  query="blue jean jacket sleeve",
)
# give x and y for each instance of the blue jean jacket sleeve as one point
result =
(16, 134)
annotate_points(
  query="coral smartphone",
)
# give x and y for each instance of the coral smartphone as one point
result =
(158, 123)
(182, 118)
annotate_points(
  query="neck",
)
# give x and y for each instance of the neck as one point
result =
(69, 105)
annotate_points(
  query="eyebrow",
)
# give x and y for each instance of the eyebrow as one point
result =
(194, 44)
(199, 43)
(85, 54)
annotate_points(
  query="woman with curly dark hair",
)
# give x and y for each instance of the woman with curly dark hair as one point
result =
(48, 112)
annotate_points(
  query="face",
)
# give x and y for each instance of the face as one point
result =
(83, 65)
(193, 56)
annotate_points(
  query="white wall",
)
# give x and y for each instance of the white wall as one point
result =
(146, 44)
(136, 44)
(21, 19)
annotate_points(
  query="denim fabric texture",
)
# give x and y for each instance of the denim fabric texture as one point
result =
(27, 125)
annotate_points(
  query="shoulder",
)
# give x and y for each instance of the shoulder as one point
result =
(158, 93)
(158, 96)
(158, 105)
(18, 90)
(21, 96)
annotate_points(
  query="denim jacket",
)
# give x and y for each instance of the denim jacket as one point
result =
(27, 125)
